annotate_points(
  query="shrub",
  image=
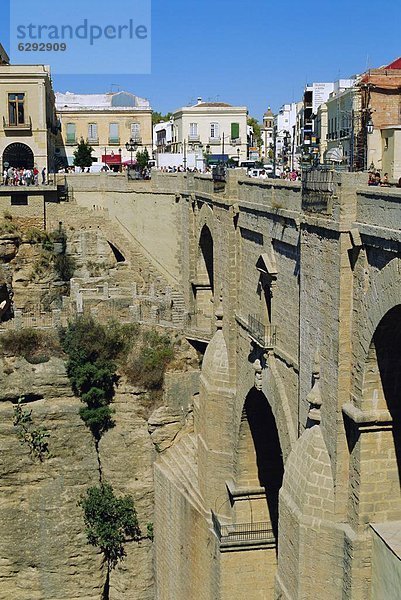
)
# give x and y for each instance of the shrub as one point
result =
(34, 235)
(92, 348)
(8, 227)
(34, 437)
(98, 420)
(109, 521)
(87, 340)
(34, 345)
(64, 266)
(147, 362)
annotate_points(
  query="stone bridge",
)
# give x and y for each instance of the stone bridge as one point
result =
(288, 480)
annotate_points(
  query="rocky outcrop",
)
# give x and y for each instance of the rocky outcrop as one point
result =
(44, 553)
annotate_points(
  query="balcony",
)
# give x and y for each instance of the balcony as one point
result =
(17, 127)
(243, 534)
(71, 141)
(262, 335)
(136, 139)
(114, 141)
(193, 137)
(93, 141)
(235, 141)
(215, 140)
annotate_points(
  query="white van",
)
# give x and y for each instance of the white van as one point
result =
(99, 168)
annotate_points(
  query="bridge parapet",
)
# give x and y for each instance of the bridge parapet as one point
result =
(379, 207)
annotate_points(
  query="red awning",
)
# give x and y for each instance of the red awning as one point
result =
(111, 159)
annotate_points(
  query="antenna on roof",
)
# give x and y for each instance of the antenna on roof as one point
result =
(115, 85)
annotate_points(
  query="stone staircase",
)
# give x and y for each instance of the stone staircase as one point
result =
(136, 268)
(179, 465)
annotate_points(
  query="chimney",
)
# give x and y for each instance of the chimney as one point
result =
(199, 100)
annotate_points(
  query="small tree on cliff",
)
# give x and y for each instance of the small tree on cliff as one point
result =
(110, 522)
(83, 155)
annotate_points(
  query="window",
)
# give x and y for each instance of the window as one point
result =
(16, 110)
(136, 131)
(71, 133)
(193, 129)
(234, 131)
(386, 143)
(114, 136)
(214, 130)
(92, 132)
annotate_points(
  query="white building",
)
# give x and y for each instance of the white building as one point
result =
(335, 123)
(314, 95)
(213, 128)
(107, 122)
(285, 125)
(267, 134)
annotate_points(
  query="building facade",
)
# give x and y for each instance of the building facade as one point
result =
(214, 128)
(106, 121)
(314, 95)
(28, 125)
(380, 104)
(267, 134)
(337, 124)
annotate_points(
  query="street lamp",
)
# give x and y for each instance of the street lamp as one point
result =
(131, 147)
(369, 126)
(238, 153)
(120, 165)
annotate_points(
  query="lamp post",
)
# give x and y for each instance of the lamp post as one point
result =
(121, 164)
(207, 154)
(131, 147)
(369, 131)
(238, 153)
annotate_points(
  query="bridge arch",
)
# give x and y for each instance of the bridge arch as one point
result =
(377, 450)
(383, 293)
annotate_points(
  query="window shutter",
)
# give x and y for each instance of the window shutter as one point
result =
(113, 134)
(234, 131)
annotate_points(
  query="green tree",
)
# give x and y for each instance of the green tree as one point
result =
(83, 155)
(142, 159)
(157, 117)
(109, 521)
(252, 122)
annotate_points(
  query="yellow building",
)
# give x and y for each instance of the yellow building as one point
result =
(106, 121)
(28, 122)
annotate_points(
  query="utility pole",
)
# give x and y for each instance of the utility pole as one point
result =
(274, 149)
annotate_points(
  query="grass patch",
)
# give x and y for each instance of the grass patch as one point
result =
(35, 345)
(148, 359)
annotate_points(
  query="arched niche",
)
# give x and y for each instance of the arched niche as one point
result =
(266, 265)
(203, 284)
(18, 155)
(259, 466)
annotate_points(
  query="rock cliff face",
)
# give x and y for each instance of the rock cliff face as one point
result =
(44, 554)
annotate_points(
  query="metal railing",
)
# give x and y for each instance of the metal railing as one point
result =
(243, 532)
(193, 137)
(264, 335)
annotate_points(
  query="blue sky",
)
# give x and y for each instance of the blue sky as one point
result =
(255, 53)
